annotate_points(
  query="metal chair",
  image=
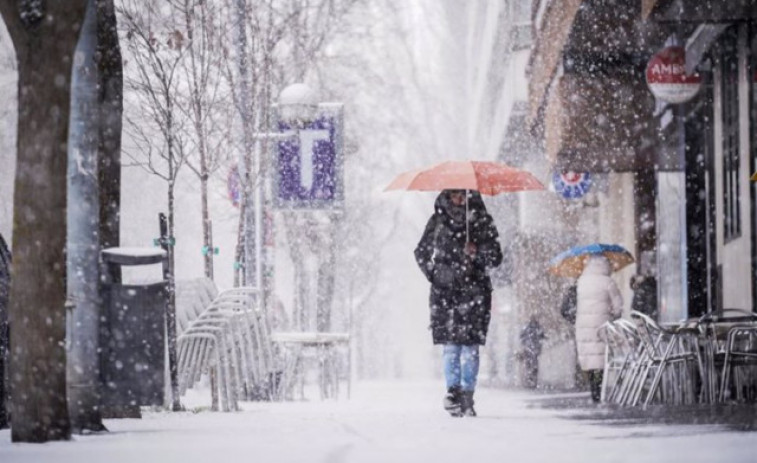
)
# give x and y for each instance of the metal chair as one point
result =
(671, 354)
(635, 365)
(616, 357)
(714, 330)
(740, 363)
(231, 340)
(627, 349)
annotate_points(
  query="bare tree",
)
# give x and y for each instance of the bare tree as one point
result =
(110, 121)
(154, 122)
(256, 32)
(94, 141)
(205, 105)
(7, 65)
(83, 247)
(278, 43)
(41, 32)
(5, 270)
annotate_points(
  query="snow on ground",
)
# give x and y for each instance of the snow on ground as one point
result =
(390, 422)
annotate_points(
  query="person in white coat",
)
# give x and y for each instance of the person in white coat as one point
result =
(598, 301)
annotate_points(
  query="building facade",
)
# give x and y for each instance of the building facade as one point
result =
(686, 165)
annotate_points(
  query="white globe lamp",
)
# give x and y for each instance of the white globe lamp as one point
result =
(298, 105)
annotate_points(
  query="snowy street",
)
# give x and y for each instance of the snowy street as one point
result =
(524, 231)
(394, 422)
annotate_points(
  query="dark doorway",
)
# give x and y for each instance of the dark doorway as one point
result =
(700, 227)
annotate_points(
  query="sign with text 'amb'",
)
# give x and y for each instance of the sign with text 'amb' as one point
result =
(309, 165)
(667, 78)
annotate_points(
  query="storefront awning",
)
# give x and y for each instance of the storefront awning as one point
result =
(647, 6)
(554, 28)
(597, 125)
(699, 42)
(694, 11)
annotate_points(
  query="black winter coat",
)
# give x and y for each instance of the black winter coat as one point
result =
(645, 296)
(460, 300)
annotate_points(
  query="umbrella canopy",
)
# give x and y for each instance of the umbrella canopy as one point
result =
(571, 262)
(488, 178)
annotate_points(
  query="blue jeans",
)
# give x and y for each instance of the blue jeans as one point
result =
(461, 366)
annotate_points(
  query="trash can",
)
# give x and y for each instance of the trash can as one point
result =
(132, 330)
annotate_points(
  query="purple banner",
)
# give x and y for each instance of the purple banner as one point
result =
(309, 164)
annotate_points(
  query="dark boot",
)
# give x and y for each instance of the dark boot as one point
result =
(467, 404)
(452, 401)
(595, 383)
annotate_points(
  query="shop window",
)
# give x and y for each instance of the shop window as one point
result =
(729, 86)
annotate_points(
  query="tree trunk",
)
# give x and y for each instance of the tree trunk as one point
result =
(5, 264)
(111, 81)
(110, 106)
(247, 212)
(327, 267)
(83, 245)
(295, 239)
(38, 290)
(239, 250)
(207, 237)
(173, 368)
(196, 82)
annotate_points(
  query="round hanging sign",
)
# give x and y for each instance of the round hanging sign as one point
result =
(571, 185)
(667, 78)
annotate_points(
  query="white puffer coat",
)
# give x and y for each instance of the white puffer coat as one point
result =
(599, 301)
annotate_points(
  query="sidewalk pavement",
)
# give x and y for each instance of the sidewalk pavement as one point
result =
(404, 422)
(578, 406)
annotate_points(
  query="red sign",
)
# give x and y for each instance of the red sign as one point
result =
(667, 78)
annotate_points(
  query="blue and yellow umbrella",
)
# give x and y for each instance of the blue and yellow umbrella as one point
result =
(571, 262)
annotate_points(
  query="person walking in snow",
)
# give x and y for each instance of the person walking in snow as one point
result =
(598, 301)
(455, 259)
(531, 337)
(644, 298)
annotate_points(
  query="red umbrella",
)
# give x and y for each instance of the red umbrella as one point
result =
(486, 177)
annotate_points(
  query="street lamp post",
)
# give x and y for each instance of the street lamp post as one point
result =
(309, 187)
(297, 106)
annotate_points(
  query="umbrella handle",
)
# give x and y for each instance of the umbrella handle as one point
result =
(467, 233)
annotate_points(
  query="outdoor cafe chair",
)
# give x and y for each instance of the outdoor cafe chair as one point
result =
(740, 363)
(632, 369)
(616, 358)
(230, 339)
(646, 349)
(714, 330)
(625, 348)
(671, 355)
(203, 347)
(212, 342)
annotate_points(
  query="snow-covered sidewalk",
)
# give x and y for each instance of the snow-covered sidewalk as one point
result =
(390, 422)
